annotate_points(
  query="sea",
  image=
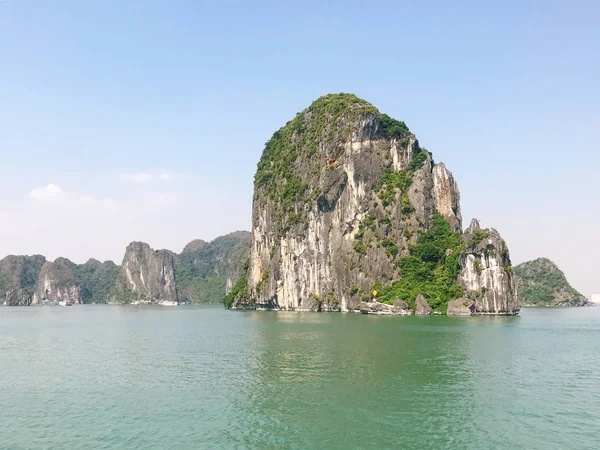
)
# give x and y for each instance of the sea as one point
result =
(202, 377)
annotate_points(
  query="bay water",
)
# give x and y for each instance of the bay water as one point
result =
(149, 377)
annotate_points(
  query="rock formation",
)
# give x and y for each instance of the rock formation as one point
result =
(56, 283)
(206, 271)
(486, 272)
(541, 283)
(18, 276)
(461, 307)
(200, 274)
(422, 308)
(96, 280)
(18, 297)
(342, 194)
(146, 274)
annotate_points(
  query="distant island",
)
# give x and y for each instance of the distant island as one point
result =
(201, 273)
(541, 283)
(350, 213)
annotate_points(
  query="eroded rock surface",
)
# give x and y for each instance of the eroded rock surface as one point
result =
(486, 272)
(422, 308)
(146, 274)
(341, 194)
(57, 283)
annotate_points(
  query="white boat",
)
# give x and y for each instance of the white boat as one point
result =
(168, 303)
(64, 303)
(137, 302)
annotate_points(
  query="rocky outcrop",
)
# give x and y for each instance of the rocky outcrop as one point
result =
(541, 283)
(206, 271)
(57, 283)
(146, 274)
(238, 256)
(342, 194)
(18, 297)
(422, 308)
(486, 272)
(447, 196)
(399, 308)
(18, 276)
(461, 307)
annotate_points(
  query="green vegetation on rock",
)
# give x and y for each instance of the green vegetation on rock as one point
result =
(19, 272)
(202, 268)
(327, 121)
(239, 289)
(96, 280)
(477, 237)
(541, 283)
(431, 269)
(399, 179)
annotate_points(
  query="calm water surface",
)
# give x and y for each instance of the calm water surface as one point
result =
(107, 377)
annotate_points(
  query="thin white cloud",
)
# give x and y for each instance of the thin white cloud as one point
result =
(146, 177)
(54, 195)
(48, 193)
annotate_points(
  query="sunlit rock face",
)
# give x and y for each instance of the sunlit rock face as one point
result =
(486, 272)
(146, 274)
(56, 283)
(341, 193)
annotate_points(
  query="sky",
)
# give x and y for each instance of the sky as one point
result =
(144, 120)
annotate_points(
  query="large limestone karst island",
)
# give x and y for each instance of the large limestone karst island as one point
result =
(347, 202)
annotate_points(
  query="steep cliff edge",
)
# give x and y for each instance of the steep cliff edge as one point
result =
(18, 275)
(541, 283)
(146, 274)
(345, 201)
(486, 272)
(56, 283)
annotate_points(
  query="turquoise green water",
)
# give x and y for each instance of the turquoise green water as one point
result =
(190, 377)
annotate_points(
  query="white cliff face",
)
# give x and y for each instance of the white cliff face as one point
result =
(486, 272)
(314, 264)
(146, 274)
(310, 267)
(341, 192)
(447, 196)
(56, 283)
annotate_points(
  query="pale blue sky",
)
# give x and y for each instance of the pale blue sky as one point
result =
(148, 117)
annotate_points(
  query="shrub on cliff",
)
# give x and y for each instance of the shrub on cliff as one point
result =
(430, 269)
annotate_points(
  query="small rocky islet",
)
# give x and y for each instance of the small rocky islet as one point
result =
(349, 213)
(541, 283)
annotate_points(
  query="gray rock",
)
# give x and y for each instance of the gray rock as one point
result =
(486, 272)
(399, 308)
(422, 308)
(306, 238)
(56, 283)
(146, 274)
(447, 196)
(461, 307)
(18, 297)
(18, 276)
